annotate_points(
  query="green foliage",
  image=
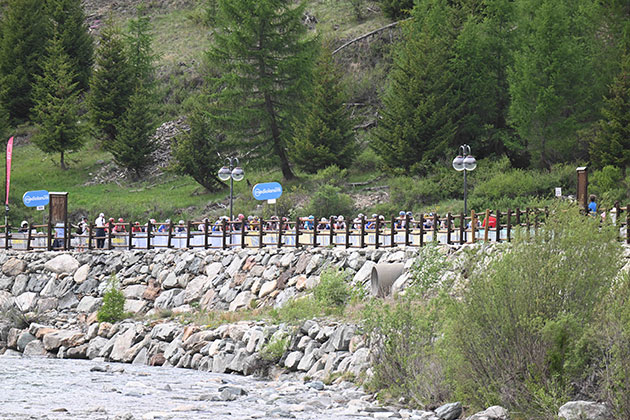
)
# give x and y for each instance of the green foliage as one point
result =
(56, 110)
(609, 185)
(273, 351)
(331, 175)
(333, 288)
(113, 309)
(134, 142)
(427, 270)
(520, 326)
(324, 136)
(25, 30)
(396, 9)
(368, 161)
(262, 62)
(139, 51)
(111, 85)
(77, 43)
(329, 200)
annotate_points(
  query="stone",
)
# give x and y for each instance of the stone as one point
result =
(135, 306)
(12, 338)
(165, 331)
(364, 274)
(122, 343)
(78, 352)
(81, 274)
(340, 340)
(235, 265)
(157, 360)
(89, 304)
(19, 285)
(66, 338)
(312, 264)
(135, 291)
(293, 360)
(24, 338)
(26, 301)
(170, 281)
(152, 291)
(169, 299)
(584, 410)
(300, 282)
(267, 288)
(13, 267)
(449, 411)
(35, 348)
(270, 273)
(47, 304)
(6, 301)
(311, 356)
(492, 413)
(221, 361)
(67, 301)
(230, 393)
(63, 263)
(255, 339)
(213, 270)
(195, 289)
(242, 300)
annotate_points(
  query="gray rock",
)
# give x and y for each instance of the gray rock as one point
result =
(35, 348)
(242, 301)
(135, 306)
(122, 343)
(165, 331)
(23, 340)
(66, 338)
(293, 360)
(170, 281)
(492, 413)
(26, 302)
(63, 263)
(134, 292)
(169, 299)
(364, 274)
(213, 270)
(340, 340)
(6, 283)
(67, 301)
(196, 288)
(584, 410)
(317, 385)
(142, 358)
(19, 285)
(221, 361)
(89, 304)
(81, 274)
(6, 300)
(255, 339)
(449, 411)
(13, 267)
(230, 393)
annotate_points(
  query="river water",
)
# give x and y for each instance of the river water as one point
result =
(40, 388)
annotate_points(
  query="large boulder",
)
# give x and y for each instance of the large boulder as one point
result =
(243, 300)
(81, 274)
(89, 304)
(584, 410)
(450, 411)
(63, 263)
(13, 267)
(67, 338)
(35, 348)
(492, 413)
(26, 301)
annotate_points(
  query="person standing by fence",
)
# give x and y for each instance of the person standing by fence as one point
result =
(100, 231)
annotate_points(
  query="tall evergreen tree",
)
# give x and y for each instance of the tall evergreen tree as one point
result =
(69, 17)
(25, 29)
(134, 142)
(263, 59)
(555, 84)
(419, 103)
(111, 84)
(56, 109)
(611, 146)
(139, 50)
(324, 136)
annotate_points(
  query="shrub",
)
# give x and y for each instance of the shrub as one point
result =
(329, 200)
(273, 351)
(333, 289)
(517, 335)
(113, 308)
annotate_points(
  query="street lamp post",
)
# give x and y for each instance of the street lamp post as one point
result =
(233, 172)
(464, 162)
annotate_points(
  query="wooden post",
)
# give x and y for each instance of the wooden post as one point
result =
(130, 236)
(527, 224)
(49, 235)
(347, 234)
(188, 233)
(66, 235)
(169, 237)
(332, 232)
(297, 232)
(509, 226)
(392, 232)
(473, 227)
(448, 228)
(90, 235)
(407, 230)
(261, 237)
(462, 228)
(362, 239)
(498, 227)
(518, 217)
(206, 232)
(7, 235)
(315, 232)
(377, 236)
(109, 236)
(29, 238)
(243, 244)
(436, 227)
(224, 228)
(486, 229)
(279, 232)
(421, 230)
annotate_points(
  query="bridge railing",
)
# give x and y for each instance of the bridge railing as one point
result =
(489, 226)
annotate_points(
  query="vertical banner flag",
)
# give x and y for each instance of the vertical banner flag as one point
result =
(8, 174)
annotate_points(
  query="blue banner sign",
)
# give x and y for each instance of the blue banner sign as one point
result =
(267, 191)
(36, 198)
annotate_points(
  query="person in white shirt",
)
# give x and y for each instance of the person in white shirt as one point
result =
(100, 231)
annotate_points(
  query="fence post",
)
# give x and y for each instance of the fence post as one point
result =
(49, 236)
(188, 232)
(149, 229)
(29, 237)
(130, 235)
(315, 232)
(297, 232)
(347, 234)
(436, 227)
(407, 223)
(90, 234)
(280, 232)
(448, 228)
(206, 228)
(377, 236)
(509, 226)
(260, 233)
(486, 229)
(66, 236)
(332, 232)
(224, 229)
(498, 227)
(527, 224)
(243, 244)
(393, 232)
(473, 227)
(362, 240)
(109, 235)
(462, 228)
(421, 230)
(7, 235)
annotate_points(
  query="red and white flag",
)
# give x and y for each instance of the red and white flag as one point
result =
(8, 175)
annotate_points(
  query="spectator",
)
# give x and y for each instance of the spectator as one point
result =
(120, 227)
(100, 231)
(164, 226)
(592, 205)
(309, 224)
(492, 222)
(23, 227)
(323, 224)
(340, 223)
(181, 227)
(136, 228)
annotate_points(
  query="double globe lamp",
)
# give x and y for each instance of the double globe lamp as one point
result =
(233, 172)
(464, 162)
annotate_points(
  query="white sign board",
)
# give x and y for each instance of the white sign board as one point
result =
(40, 207)
(558, 192)
(271, 201)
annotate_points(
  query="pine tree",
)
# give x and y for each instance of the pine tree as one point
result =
(139, 50)
(111, 84)
(198, 153)
(264, 60)
(69, 17)
(419, 102)
(612, 144)
(134, 141)
(324, 137)
(56, 110)
(25, 30)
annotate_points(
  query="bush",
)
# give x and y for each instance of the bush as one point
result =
(518, 334)
(333, 288)
(113, 308)
(273, 351)
(329, 200)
